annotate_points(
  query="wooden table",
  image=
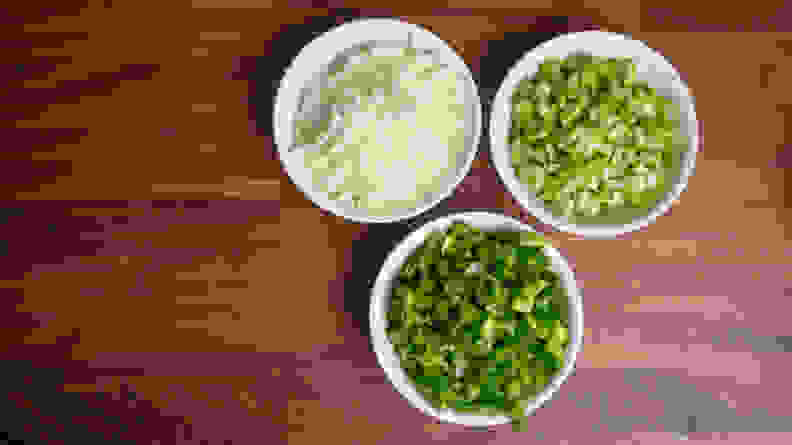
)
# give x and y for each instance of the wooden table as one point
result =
(165, 279)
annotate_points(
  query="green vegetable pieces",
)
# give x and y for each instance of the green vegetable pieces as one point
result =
(479, 319)
(587, 137)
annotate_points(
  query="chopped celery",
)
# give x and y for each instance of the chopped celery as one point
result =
(583, 109)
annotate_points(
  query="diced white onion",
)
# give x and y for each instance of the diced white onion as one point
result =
(398, 155)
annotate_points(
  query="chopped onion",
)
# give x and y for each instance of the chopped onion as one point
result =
(402, 129)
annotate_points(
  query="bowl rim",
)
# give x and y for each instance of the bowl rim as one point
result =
(380, 295)
(503, 98)
(313, 57)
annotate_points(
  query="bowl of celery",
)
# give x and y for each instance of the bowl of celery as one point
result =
(476, 319)
(594, 133)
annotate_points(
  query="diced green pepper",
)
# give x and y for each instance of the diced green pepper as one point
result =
(419, 299)
(513, 389)
(528, 239)
(439, 329)
(448, 245)
(525, 302)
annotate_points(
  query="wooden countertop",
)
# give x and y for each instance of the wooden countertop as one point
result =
(158, 247)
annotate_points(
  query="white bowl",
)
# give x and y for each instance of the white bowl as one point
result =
(314, 62)
(381, 293)
(652, 68)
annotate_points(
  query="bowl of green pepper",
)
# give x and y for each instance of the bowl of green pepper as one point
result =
(594, 133)
(476, 319)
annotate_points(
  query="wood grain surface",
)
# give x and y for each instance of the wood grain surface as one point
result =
(164, 281)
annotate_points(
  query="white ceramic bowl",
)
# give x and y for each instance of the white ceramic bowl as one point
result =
(381, 293)
(313, 63)
(652, 68)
